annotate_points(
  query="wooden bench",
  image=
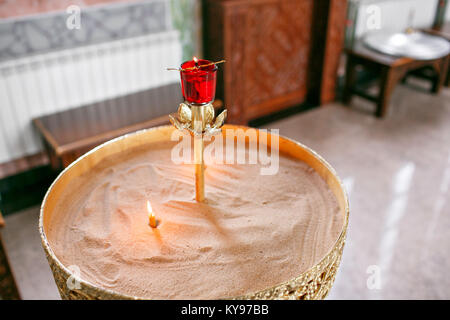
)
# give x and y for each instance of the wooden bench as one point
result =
(69, 134)
(391, 70)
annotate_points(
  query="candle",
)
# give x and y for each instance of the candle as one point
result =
(151, 215)
(198, 83)
(196, 61)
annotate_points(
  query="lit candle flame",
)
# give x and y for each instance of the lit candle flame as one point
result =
(195, 60)
(151, 215)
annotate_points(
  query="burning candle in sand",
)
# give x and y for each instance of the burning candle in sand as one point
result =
(151, 215)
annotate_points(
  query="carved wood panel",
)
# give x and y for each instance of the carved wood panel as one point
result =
(277, 47)
(267, 45)
(235, 76)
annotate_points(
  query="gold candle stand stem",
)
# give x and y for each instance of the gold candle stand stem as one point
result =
(199, 170)
(198, 125)
(199, 121)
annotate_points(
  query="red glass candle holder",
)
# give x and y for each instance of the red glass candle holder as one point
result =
(198, 84)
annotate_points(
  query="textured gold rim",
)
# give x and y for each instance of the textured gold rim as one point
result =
(314, 283)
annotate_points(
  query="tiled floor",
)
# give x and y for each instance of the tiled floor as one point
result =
(397, 172)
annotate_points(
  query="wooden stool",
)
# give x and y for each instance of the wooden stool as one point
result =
(391, 70)
(8, 287)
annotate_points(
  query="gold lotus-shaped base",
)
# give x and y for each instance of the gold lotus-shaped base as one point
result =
(188, 115)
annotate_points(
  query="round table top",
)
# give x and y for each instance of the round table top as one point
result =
(416, 45)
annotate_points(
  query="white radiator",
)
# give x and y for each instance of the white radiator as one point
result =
(57, 81)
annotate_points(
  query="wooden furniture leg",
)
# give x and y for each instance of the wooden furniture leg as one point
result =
(447, 77)
(441, 74)
(350, 73)
(388, 81)
(8, 287)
